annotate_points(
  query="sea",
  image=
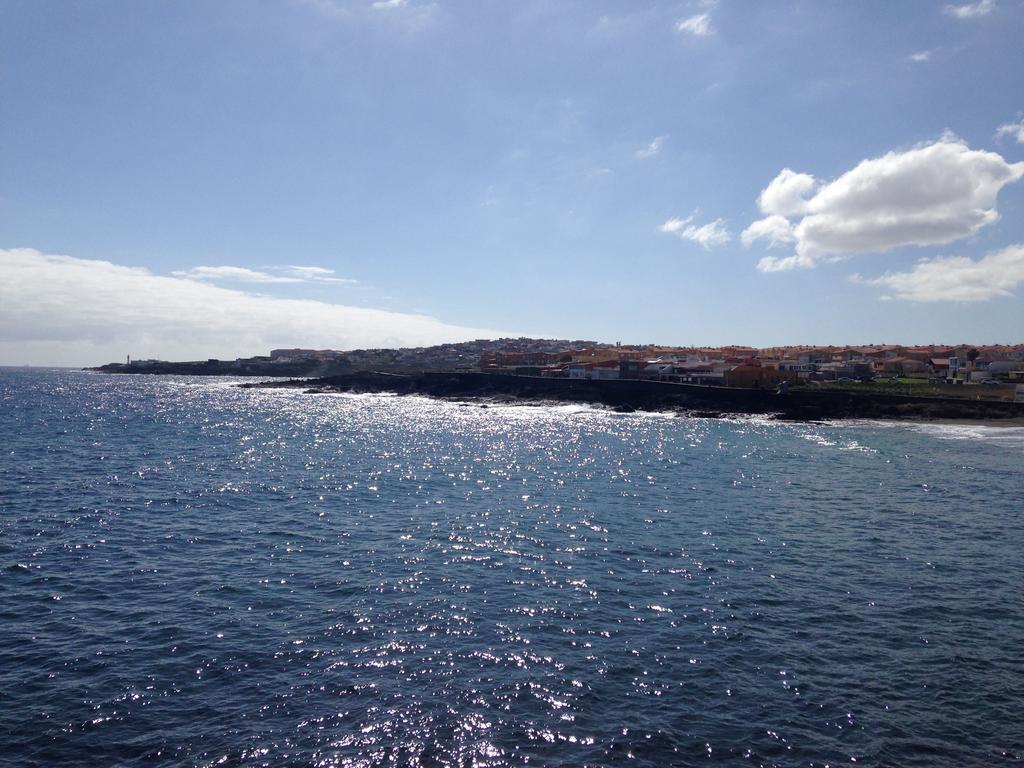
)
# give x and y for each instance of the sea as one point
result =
(194, 574)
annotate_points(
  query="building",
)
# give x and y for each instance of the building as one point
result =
(944, 367)
(757, 377)
(630, 369)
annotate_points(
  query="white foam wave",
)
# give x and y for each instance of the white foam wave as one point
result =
(1009, 436)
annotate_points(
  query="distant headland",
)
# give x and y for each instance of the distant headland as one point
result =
(800, 382)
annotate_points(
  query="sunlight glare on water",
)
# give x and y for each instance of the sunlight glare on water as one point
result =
(197, 574)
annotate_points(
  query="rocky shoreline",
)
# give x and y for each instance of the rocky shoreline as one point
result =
(630, 395)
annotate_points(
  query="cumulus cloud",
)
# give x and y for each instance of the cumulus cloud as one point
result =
(707, 235)
(775, 229)
(67, 311)
(955, 278)
(971, 10)
(920, 56)
(1013, 130)
(652, 149)
(929, 195)
(698, 25)
(786, 194)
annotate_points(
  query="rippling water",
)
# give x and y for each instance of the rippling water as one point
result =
(194, 574)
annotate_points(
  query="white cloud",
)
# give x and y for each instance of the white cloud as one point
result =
(405, 15)
(929, 195)
(707, 235)
(775, 229)
(698, 25)
(411, 17)
(920, 56)
(1014, 130)
(318, 275)
(67, 311)
(786, 194)
(971, 10)
(234, 274)
(955, 278)
(780, 263)
(652, 149)
(310, 273)
(291, 274)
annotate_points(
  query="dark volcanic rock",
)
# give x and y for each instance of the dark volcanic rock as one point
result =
(626, 395)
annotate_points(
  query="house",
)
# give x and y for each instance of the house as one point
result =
(696, 372)
(607, 369)
(899, 366)
(578, 370)
(853, 369)
(796, 366)
(656, 369)
(1001, 369)
(705, 377)
(944, 367)
(630, 369)
(757, 377)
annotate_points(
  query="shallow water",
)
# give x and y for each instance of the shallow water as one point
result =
(194, 574)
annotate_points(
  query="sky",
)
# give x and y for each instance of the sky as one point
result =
(188, 179)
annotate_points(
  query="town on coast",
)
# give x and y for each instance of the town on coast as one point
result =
(934, 366)
(885, 380)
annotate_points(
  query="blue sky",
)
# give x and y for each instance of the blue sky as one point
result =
(570, 169)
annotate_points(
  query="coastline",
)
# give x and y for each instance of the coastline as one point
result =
(627, 395)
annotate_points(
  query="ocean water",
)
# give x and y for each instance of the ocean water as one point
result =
(193, 574)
